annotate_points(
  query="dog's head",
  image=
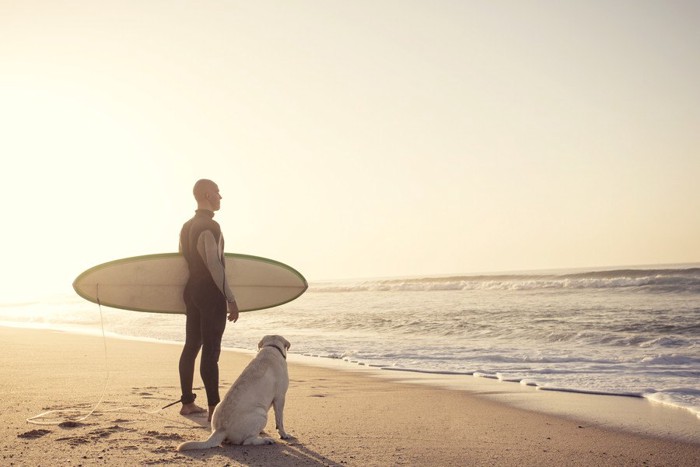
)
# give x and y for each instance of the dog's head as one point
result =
(275, 341)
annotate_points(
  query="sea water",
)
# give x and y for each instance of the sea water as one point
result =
(633, 332)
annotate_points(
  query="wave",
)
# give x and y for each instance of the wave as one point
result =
(655, 280)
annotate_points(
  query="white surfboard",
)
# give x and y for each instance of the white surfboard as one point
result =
(155, 283)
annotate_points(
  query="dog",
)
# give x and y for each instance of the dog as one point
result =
(242, 414)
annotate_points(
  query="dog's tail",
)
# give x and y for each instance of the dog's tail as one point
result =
(214, 440)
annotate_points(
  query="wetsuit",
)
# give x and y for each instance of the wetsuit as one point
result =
(206, 294)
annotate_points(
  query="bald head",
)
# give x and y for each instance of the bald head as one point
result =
(207, 194)
(202, 187)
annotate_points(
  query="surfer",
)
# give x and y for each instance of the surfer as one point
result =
(207, 296)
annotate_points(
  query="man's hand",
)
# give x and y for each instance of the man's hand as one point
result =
(232, 311)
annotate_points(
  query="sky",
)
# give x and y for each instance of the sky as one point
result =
(350, 139)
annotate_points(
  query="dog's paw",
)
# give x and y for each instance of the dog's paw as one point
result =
(284, 435)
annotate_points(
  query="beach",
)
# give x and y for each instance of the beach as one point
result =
(118, 387)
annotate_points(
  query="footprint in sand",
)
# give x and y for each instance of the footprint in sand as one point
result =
(33, 434)
(70, 424)
(164, 436)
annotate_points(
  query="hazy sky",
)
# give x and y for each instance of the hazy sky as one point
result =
(351, 139)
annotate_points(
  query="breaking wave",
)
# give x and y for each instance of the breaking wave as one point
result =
(653, 280)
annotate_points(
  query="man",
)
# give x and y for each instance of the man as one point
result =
(207, 298)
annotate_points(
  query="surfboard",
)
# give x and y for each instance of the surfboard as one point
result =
(155, 283)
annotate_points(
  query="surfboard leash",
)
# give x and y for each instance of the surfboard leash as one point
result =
(178, 401)
(36, 420)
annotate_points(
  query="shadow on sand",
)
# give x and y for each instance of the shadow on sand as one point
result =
(290, 453)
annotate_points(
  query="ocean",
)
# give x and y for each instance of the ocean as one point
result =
(628, 332)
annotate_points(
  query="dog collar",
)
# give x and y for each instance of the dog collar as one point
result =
(280, 350)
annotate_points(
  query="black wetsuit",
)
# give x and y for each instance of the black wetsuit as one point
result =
(206, 310)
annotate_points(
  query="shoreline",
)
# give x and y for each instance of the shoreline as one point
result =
(632, 414)
(628, 413)
(337, 417)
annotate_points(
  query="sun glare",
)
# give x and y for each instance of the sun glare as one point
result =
(74, 169)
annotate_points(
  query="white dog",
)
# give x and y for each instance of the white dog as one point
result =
(242, 414)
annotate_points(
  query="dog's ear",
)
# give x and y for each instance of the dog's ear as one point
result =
(287, 345)
(260, 344)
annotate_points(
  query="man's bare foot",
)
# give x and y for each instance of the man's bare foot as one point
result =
(191, 408)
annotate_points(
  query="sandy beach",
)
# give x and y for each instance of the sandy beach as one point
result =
(336, 417)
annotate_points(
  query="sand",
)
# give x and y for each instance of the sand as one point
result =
(336, 417)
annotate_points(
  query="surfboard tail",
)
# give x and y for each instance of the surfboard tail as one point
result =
(214, 440)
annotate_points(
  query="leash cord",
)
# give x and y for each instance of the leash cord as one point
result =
(63, 413)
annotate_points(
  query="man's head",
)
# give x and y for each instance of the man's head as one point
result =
(207, 195)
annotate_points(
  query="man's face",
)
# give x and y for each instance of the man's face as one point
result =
(214, 197)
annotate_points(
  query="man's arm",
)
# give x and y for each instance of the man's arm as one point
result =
(209, 250)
